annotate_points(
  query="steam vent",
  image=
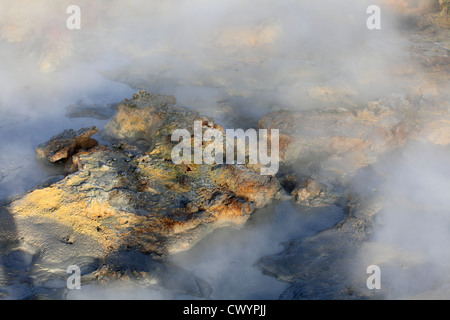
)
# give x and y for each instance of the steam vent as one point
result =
(207, 150)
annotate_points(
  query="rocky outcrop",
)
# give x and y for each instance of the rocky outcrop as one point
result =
(138, 119)
(125, 198)
(123, 208)
(326, 265)
(338, 142)
(64, 145)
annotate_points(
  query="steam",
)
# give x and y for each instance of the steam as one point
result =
(234, 60)
(269, 55)
(410, 241)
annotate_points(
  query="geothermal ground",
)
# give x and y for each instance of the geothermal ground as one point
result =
(87, 177)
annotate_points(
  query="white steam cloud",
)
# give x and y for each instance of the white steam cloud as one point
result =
(233, 60)
(412, 233)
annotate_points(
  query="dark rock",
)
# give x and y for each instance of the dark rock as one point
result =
(64, 145)
(318, 267)
(101, 112)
